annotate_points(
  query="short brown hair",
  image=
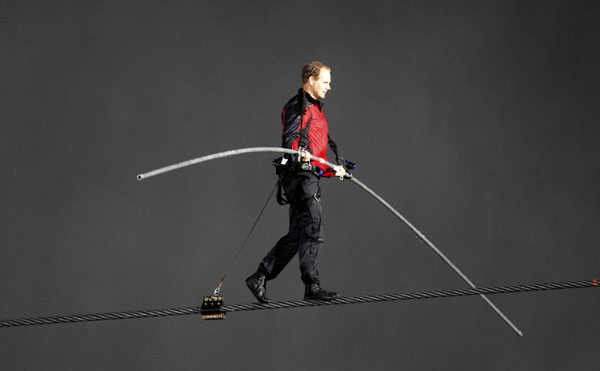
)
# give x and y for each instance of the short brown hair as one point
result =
(313, 69)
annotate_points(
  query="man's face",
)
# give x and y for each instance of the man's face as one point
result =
(321, 85)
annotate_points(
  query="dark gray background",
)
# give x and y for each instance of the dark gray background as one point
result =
(477, 120)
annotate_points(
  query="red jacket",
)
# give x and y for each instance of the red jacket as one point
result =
(308, 130)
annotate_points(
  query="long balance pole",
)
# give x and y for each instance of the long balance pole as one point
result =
(355, 181)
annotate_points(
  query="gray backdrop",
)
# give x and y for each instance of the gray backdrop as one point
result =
(477, 120)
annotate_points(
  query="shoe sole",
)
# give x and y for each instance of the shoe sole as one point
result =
(324, 299)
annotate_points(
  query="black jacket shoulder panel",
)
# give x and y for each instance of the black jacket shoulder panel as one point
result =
(291, 117)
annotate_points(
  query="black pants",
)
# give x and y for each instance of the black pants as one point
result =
(305, 235)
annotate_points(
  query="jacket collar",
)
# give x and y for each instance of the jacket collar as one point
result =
(312, 100)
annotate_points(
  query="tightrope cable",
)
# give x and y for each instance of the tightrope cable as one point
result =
(300, 303)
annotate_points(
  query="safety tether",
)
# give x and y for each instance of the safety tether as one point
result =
(222, 280)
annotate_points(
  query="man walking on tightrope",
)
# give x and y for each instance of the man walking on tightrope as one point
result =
(304, 128)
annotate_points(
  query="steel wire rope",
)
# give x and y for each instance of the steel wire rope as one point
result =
(78, 318)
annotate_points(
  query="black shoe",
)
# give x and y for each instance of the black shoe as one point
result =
(315, 292)
(257, 283)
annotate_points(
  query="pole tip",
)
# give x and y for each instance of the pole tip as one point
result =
(140, 177)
